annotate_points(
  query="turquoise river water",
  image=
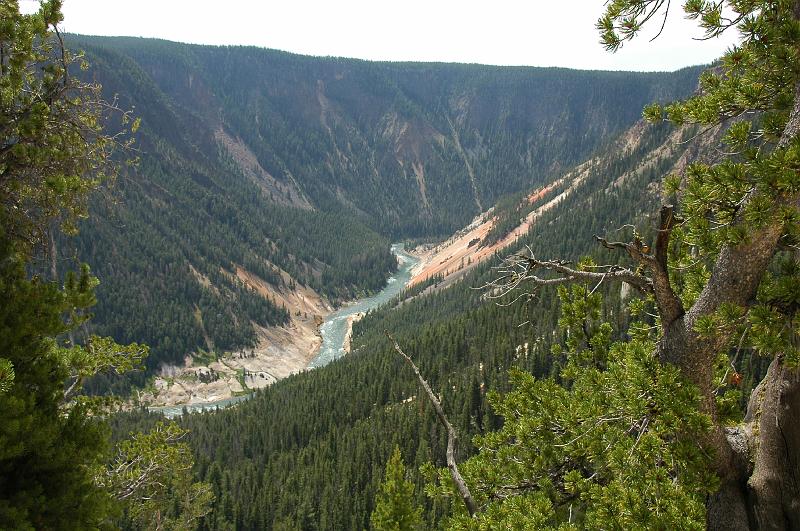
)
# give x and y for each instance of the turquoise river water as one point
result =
(333, 329)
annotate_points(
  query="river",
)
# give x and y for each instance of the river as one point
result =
(333, 329)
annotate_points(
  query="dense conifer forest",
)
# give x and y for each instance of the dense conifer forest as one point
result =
(270, 162)
(309, 452)
(630, 360)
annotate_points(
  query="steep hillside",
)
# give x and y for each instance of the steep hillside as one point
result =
(317, 442)
(412, 149)
(266, 163)
(640, 149)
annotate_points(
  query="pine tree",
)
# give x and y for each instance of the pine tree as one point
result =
(151, 474)
(53, 152)
(394, 507)
(46, 455)
(639, 432)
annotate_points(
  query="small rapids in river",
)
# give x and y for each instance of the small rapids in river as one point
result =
(334, 328)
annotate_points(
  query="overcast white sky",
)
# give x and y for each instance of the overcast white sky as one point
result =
(500, 32)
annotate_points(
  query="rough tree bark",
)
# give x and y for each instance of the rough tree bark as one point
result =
(755, 482)
(758, 463)
(773, 480)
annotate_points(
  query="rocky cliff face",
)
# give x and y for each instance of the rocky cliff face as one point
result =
(412, 149)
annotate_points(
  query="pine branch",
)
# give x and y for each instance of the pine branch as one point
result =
(518, 269)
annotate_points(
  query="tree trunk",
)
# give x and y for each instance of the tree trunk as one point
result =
(767, 456)
(767, 445)
(757, 462)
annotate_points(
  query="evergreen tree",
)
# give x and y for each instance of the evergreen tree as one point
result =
(46, 454)
(151, 474)
(226, 215)
(640, 432)
(395, 509)
(53, 152)
(310, 441)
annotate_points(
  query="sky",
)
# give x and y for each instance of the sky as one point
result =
(499, 32)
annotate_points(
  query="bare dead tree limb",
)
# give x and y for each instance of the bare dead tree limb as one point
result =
(518, 269)
(669, 305)
(452, 437)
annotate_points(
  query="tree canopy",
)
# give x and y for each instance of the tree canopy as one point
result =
(395, 509)
(640, 432)
(56, 148)
(51, 155)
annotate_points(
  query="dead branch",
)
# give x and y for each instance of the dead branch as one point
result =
(521, 268)
(669, 305)
(518, 269)
(452, 437)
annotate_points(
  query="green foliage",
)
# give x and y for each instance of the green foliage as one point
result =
(312, 448)
(395, 509)
(773, 323)
(754, 88)
(6, 375)
(52, 152)
(46, 452)
(151, 475)
(101, 354)
(329, 132)
(614, 447)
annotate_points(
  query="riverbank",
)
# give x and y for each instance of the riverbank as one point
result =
(315, 336)
(337, 329)
(348, 336)
(279, 352)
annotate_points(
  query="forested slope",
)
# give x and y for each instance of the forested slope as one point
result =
(411, 149)
(278, 164)
(309, 452)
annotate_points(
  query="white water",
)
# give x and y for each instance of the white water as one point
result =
(334, 328)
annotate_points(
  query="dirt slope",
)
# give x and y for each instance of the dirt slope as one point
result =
(460, 253)
(280, 351)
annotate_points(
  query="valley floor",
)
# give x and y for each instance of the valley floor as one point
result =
(280, 351)
(285, 350)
